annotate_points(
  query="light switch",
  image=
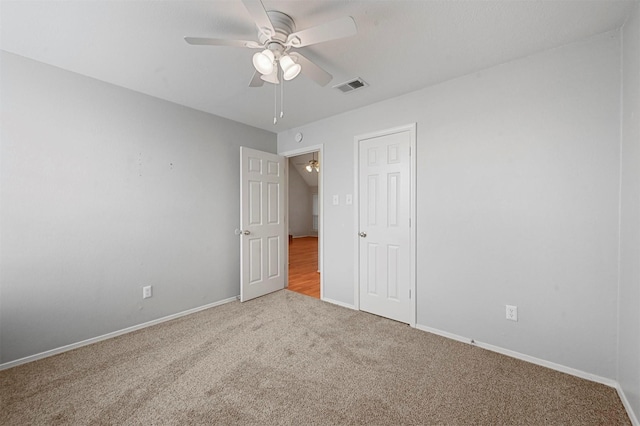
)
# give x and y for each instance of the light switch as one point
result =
(336, 200)
(348, 199)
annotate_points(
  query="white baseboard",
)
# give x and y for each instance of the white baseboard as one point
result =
(523, 357)
(335, 302)
(552, 365)
(507, 352)
(72, 346)
(627, 406)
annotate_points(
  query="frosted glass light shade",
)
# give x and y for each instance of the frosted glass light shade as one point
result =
(263, 62)
(289, 68)
(271, 78)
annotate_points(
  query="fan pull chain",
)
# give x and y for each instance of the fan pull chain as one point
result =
(282, 95)
(275, 104)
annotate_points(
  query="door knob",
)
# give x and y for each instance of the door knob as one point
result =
(241, 232)
(363, 234)
(246, 232)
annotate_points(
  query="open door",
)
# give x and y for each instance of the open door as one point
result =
(262, 245)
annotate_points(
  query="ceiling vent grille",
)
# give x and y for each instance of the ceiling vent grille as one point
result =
(351, 85)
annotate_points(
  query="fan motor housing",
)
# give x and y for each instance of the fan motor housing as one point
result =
(282, 23)
(276, 48)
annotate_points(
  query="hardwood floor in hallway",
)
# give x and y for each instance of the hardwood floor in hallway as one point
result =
(304, 277)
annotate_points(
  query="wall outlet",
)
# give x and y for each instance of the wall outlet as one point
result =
(146, 292)
(512, 313)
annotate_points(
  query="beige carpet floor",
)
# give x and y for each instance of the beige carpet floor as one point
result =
(290, 359)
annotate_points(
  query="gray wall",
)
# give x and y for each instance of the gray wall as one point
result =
(629, 317)
(105, 190)
(518, 183)
(300, 213)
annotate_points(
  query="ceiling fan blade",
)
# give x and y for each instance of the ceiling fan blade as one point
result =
(259, 14)
(256, 81)
(201, 41)
(333, 30)
(311, 70)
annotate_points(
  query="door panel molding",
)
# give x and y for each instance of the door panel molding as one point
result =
(262, 223)
(372, 158)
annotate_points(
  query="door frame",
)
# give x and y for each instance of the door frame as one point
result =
(293, 153)
(411, 128)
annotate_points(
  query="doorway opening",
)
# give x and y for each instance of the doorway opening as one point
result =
(304, 277)
(304, 221)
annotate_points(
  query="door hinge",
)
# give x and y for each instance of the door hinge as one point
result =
(409, 222)
(409, 293)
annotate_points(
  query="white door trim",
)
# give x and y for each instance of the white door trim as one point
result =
(292, 153)
(411, 128)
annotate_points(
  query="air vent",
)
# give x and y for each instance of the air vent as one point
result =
(351, 85)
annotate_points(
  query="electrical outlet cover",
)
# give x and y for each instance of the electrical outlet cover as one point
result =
(512, 312)
(146, 292)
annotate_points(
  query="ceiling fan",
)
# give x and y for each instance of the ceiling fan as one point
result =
(279, 41)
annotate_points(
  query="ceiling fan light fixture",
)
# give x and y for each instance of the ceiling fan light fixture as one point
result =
(271, 78)
(313, 165)
(263, 62)
(290, 69)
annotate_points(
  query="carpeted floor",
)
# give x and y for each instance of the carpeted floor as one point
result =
(290, 359)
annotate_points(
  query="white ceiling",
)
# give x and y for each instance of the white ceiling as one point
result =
(401, 46)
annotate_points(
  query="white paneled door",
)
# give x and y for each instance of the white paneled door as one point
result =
(262, 255)
(384, 225)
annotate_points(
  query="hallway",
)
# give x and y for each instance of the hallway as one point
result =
(304, 277)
